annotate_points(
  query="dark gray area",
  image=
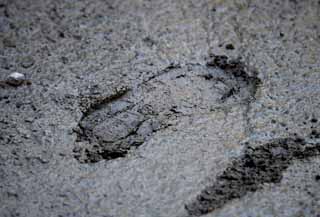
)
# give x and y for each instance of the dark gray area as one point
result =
(258, 165)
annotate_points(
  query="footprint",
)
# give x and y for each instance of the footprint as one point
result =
(258, 165)
(111, 127)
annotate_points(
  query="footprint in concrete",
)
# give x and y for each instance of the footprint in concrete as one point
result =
(110, 127)
(258, 165)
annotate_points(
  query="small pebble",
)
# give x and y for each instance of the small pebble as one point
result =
(15, 79)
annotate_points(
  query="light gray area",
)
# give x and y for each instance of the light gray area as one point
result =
(77, 54)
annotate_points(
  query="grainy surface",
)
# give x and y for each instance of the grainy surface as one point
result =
(135, 108)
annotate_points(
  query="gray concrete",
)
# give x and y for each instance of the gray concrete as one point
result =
(129, 108)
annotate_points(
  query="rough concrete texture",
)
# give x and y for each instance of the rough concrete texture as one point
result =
(160, 108)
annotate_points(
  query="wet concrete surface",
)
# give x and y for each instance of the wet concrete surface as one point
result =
(160, 108)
